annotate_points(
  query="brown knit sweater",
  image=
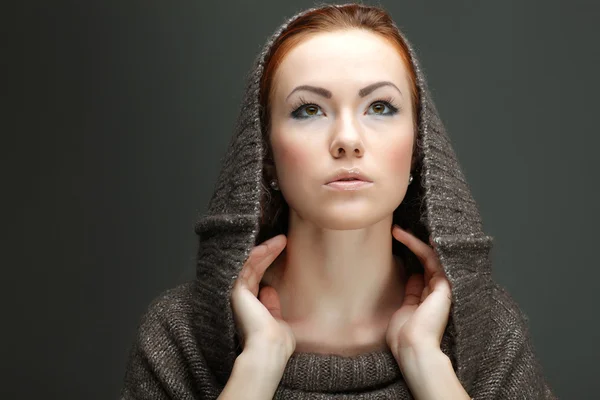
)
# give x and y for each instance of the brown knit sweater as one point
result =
(187, 343)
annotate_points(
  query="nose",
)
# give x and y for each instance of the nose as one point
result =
(347, 140)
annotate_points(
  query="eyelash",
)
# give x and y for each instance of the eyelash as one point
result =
(299, 106)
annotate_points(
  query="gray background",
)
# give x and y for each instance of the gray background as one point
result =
(117, 113)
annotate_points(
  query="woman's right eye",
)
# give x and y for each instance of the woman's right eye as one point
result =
(305, 111)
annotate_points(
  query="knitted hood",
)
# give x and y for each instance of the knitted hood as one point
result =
(438, 202)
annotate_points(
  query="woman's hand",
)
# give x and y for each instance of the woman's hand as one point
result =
(258, 315)
(419, 324)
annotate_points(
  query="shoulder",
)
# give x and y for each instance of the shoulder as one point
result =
(509, 335)
(163, 350)
(509, 367)
(173, 304)
(168, 316)
(505, 312)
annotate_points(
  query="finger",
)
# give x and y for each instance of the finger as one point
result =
(431, 242)
(261, 257)
(427, 270)
(269, 297)
(440, 284)
(424, 253)
(414, 289)
(425, 293)
(266, 254)
(416, 245)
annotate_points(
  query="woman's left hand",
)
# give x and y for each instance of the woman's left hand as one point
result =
(419, 324)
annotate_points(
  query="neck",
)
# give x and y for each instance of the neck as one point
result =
(338, 278)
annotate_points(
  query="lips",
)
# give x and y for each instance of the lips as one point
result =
(352, 184)
(348, 175)
(348, 180)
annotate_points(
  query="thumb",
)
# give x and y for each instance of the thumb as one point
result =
(269, 297)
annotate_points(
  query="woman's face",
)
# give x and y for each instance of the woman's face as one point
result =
(349, 124)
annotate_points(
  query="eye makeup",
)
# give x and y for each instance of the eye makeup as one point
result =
(302, 104)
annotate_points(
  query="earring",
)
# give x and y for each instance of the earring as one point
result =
(410, 179)
(274, 185)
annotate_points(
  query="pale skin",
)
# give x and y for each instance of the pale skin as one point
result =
(335, 270)
(333, 235)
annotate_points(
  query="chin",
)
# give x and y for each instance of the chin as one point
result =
(343, 220)
(349, 214)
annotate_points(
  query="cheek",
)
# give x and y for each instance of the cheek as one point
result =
(292, 158)
(398, 157)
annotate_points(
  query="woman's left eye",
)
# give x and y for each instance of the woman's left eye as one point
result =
(380, 106)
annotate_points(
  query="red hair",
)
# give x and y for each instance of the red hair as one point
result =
(327, 18)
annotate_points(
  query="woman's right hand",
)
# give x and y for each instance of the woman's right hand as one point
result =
(258, 315)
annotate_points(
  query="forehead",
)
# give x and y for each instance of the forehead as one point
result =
(350, 57)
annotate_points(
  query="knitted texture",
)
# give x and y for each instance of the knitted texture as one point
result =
(187, 342)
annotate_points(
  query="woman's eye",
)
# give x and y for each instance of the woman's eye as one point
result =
(309, 109)
(380, 106)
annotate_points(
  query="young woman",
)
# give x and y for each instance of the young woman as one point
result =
(342, 254)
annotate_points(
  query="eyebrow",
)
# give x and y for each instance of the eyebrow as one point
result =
(327, 94)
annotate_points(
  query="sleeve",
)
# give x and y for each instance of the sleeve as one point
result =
(515, 371)
(164, 360)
